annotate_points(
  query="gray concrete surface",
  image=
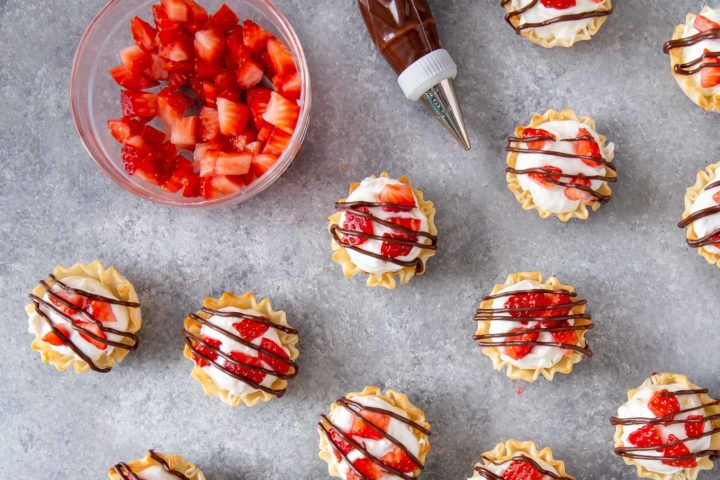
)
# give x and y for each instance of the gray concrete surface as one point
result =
(654, 300)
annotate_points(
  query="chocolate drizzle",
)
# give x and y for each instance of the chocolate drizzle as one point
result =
(127, 473)
(485, 473)
(532, 314)
(325, 425)
(712, 237)
(354, 208)
(556, 177)
(632, 452)
(509, 16)
(694, 66)
(39, 302)
(192, 341)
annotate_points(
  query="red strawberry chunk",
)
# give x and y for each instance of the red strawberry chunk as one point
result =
(233, 116)
(558, 4)
(227, 184)
(238, 369)
(177, 51)
(518, 470)
(249, 74)
(72, 298)
(250, 329)
(205, 351)
(143, 34)
(568, 337)
(277, 365)
(537, 132)
(535, 300)
(695, 426)
(133, 81)
(254, 147)
(185, 131)
(339, 443)
(367, 468)
(255, 37)
(236, 50)
(177, 10)
(289, 87)
(578, 194)
(663, 404)
(100, 310)
(93, 329)
(356, 223)
(703, 24)
(140, 104)
(281, 59)
(282, 113)
(395, 249)
(678, 451)
(171, 106)
(399, 460)
(224, 19)
(209, 45)
(152, 136)
(716, 197)
(362, 429)
(277, 142)
(710, 76)
(588, 148)
(157, 70)
(206, 159)
(646, 437)
(233, 163)
(135, 59)
(124, 128)
(258, 99)
(54, 339)
(520, 351)
(181, 177)
(398, 194)
(262, 163)
(209, 124)
(544, 179)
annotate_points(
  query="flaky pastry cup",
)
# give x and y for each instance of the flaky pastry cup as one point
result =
(524, 197)
(387, 279)
(703, 463)
(175, 462)
(512, 448)
(711, 103)
(704, 177)
(586, 33)
(397, 400)
(111, 279)
(565, 365)
(245, 301)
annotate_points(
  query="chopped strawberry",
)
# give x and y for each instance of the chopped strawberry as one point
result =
(227, 184)
(356, 223)
(237, 143)
(199, 17)
(232, 163)
(339, 443)
(140, 104)
(716, 197)
(264, 133)
(399, 460)
(398, 194)
(250, 329)
(362, 429)
(135, 59)
(224, 19)
(703, 24)
(100, 310)
(396, 249)
(544, 179)
(152, 136)
(133, 81)
(281, 59)
(124, 128)
(588, 148)
(289, 87)
(171, 106)
(177, 10)
(226, 83)
(185, 131)
(205, 351)
(249, 74)
(520, 351)
(277, 365)
(534, 300)
(233, 116)
(578, 194)
(262, 163)
(177, 51)
(138, 158)
(157, 70)
(54, 339)
(664, 404)
(710, 76)
(282, 113)
(257, 100)
(678, 451)
(255, 37)
(278, 142)
(143, 34)
(72, 298)
(209, 124)
(695, 426)
(182, 177)
(519, 470)
(368, 469)
(205, 159)
(646, 437)
(209, 45)
(236, 50)
(244, 359)
(94, 329)
(558, 4)
(568, 337)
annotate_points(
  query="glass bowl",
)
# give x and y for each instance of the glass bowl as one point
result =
(95, 97)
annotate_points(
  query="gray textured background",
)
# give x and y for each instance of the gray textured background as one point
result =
(653, 298)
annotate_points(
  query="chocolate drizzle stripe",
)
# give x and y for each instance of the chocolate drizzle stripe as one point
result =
(353, 208)
(712, 34)
(92, 296)
(254, 318)
(124, 470)
(510, 148)
(538, 290)
(560, 18)
(712, 185)
(549, 178)
(686, 68)
(708, 239)
(488, 475)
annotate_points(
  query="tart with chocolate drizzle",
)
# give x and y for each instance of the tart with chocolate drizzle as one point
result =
(533, 327)
(384, 229)
(156, 466)
(520, 460)
(560, 166)
(669, 429)
(695, 57)
(701, 217)
(371, 435)
(85, 317)
(243, 351)
(556, 23)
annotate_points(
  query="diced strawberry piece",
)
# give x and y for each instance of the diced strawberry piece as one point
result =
(520, 351)
(703, 24)
(72, 298)
(282, 113)
(258, 99)
(254, 147)
(236, 47)
(139, 160)
(264, 133)
(233, 116)
(262, 163)
(232, 163)
(558, 4)
(92, 328)
(339, 443)
(157, 70)
(185, 131)
(171, 33)
(207, 157)
(244, 359)
(199, 17)
(224, 19)
(170, 106)
(249, 74)
(578, 194)
(368, 469)
(205, 351)
(226, 83)
(281, 59)
(399, 460)
(588, 148)
(710, 76)
(520, 303)
(255, 37)
(160, 16)
(124, 128)
(181, 177)
(289, 87)
(250, 329)
(140, 104)
(143, 34)
(209, 124)
(135, 59)
(678, 451)
(361, 429)
(100, 310)
(177, 51)
(206, 189)
(544, 179)
(695, 426)
(664, 404)
(153, 137)
(716, 197)
(519, 470)
(177, 10)
(277, 142)
(396, 249)
(646, 437)
(567, 337)
(277, 365)
(133, 81)
(398, 194)
(537, 132)
(192, 186)
(237, 143)
(54, 339)
(209, 45)
(227, 184)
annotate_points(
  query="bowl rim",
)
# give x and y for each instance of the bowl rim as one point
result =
(279, 22)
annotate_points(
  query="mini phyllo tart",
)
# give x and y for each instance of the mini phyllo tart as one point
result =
(85, 317)
(384, 229)
(556, 23)
(374, 436)
(669, 429)
(560, 166)
(515, 460)
(243, 351)
(533, 327)
(156, 466)
(695, 57)
(702, 214)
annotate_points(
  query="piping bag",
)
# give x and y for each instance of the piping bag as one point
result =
(406, 34)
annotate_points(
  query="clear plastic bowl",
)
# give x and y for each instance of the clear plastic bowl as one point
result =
(95, 97)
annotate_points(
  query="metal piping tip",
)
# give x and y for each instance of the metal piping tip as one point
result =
(443, 103)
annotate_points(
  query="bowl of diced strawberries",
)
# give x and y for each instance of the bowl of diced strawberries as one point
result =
(191, 103)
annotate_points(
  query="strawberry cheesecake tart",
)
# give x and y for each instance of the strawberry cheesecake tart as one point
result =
(515, 460)
(384, 229)
(560, 166)
(85, 317)
(533, 327)
(243, 351)
(669, 429)
(373, 435)
(156, 466)
(695, 57)
(556, 23)
(701, 217)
